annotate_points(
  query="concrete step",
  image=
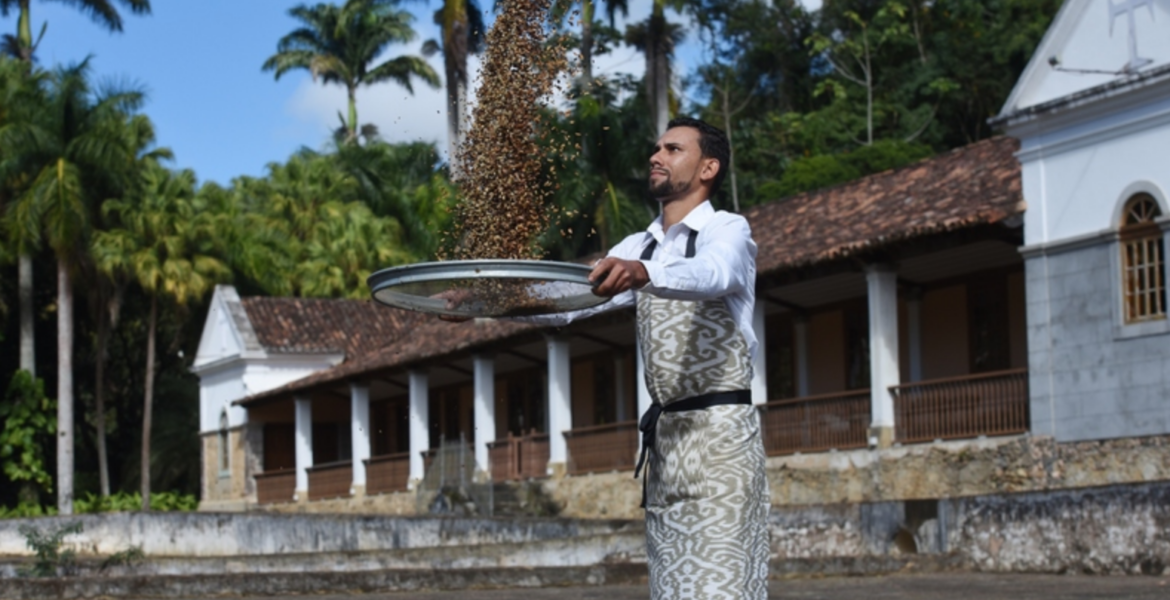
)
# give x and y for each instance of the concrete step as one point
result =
(282, 584)
(615, 548)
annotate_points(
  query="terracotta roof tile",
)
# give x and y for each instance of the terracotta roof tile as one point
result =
(301, 325)
(427, 338)
(973, 185)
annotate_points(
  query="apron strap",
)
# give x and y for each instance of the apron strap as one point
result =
(648, 252)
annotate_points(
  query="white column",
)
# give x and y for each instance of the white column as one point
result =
(359, 419)
(560, 413)
(420, 432)
(882, 283)
(914, 334)
(303, 413)
(760, 361)
(622, 412)
(484, 374)
(800, 343)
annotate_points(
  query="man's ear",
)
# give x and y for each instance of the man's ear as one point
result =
(709, 170)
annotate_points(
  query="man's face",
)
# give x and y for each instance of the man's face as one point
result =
(677, 165)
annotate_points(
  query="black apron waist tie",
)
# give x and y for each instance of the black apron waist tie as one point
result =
(648, 425)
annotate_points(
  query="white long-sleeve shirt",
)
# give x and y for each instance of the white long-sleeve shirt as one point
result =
(724, 266)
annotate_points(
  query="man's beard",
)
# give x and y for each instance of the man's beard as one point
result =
(668, 187)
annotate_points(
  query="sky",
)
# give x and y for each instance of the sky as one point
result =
(199, 62)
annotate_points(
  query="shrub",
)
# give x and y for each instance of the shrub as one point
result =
(50, 560)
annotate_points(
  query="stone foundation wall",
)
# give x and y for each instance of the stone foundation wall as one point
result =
(615, 495)
(965, 468)
(398, 504)
(925, 471)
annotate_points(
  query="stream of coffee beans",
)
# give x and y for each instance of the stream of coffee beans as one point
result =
(503, 181)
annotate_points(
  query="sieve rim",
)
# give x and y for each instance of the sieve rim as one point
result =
(383, 282)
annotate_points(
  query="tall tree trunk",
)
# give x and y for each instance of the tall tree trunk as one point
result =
(730, 146)
(28, 355)
(24, 39)
(107, 322)
(148, 402)
(658, 68)
(353, 117)
(64, 390)
(456, 47)
(587, 45)
(455, 69)
(661, 89)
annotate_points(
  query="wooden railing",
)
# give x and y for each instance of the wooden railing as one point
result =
(330, 480)
(962, 407)
(816, 423)
(276, 486)
(387, 473)
(612, 447)
(520, 457)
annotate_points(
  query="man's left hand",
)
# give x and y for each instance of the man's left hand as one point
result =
(613, 276)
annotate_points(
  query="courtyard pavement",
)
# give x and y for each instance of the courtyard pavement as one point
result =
(944, 586)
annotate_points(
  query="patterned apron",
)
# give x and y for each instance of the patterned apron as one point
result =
(706, 494)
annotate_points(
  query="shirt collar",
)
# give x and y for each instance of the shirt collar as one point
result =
(695, 220)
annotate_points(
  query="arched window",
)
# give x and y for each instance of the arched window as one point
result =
(1143, 280)
(224, 454)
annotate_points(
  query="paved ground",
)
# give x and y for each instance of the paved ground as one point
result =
(951, 586)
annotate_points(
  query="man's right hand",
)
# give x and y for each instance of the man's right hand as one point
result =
(612, 276)
(454, 297)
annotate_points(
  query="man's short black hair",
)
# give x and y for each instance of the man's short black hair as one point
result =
(712, 143)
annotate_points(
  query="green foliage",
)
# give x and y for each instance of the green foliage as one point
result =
(597, 152)
(884, 155)
(126, 558)
(90, 503)
(810, 173)
(129, 502)
(308, 228)
(937, 70)
(815, 172)
(51, 560)
(29, 422)
(25, 510)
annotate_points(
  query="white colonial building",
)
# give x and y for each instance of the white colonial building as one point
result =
(1092, 113)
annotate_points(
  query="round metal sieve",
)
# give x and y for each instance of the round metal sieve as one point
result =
(486, 288)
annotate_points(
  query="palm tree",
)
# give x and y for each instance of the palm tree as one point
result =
(107, 292)
(656, 38)
(339, 44)
(77, 150)
(22, 46)
(20, 95)
(561, 8)
(461, 23)
(103, 12)
(600, 187)
(399, 181)
(158, 242)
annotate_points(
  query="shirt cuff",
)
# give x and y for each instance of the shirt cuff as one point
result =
(655, 272)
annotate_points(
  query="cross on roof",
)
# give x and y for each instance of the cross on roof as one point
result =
(1127, 8)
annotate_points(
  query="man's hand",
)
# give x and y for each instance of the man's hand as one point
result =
(613, 276)
(454, 297)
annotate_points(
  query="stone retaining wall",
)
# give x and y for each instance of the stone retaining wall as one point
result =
(965, 468)
(236, 534)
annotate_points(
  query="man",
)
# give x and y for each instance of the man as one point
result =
(692, 277)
